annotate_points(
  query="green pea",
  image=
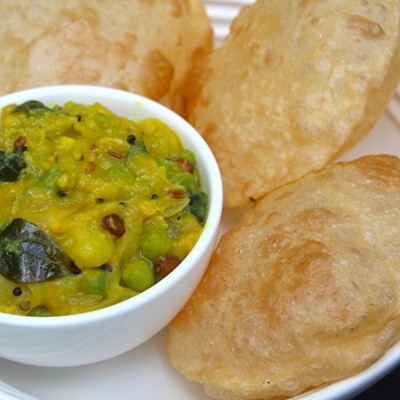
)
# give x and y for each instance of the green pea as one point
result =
(116, 172)
(184, 179)
(154, 243)
(101, 119)
(39, 311)
(138, 275)
(95, 281)
(187, 155)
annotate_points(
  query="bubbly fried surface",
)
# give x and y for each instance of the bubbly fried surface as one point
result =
(142, 46)
(295, 85)
(304, 291)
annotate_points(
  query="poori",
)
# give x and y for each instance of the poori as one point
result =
(304, 291)
(145, 47)
(294, 85)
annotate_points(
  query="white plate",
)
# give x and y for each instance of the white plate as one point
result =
(221, 13)
(145, 372)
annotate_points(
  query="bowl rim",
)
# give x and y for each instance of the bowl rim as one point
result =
(211, 174)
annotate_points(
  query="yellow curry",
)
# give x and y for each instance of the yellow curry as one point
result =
(94, 207)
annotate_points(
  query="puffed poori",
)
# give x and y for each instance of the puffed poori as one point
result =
(294, 85)
(303, 292)
(143, 46)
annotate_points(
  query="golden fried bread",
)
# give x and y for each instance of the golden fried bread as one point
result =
(141, 46)
(294, 85)
(303, 292)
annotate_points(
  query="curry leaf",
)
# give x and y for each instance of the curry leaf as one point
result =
(27, 254)
(198, 205)
(11, 165)
(30, 106)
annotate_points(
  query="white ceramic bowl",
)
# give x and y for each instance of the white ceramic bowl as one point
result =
(98, 335)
